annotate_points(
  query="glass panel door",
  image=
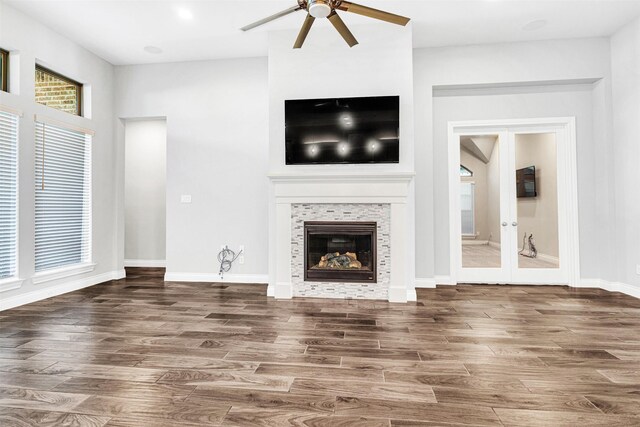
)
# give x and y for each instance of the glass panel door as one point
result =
(537, 200)
(535, 204)
(481, 207)
(510, 198)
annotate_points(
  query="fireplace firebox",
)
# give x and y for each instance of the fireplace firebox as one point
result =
(337, 251)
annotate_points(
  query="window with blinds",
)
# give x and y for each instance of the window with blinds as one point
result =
(8, 194)
(63, 197)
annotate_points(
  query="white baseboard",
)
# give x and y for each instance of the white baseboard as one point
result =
(443, 280)
(433, 282)
(154, 263)
(549, 258)
(398, 294)
(425, 283)
(624, 288)
(496, 245)
(412, 295)
(215, 278)
(63, 288)
(474, 242)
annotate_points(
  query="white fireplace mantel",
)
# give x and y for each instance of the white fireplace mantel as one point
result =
(395, 189)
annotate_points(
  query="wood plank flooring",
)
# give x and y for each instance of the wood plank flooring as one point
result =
(143, 352)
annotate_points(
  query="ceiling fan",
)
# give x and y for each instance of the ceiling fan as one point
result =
(327, 9)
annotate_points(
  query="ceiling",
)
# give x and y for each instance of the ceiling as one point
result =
(119, 30)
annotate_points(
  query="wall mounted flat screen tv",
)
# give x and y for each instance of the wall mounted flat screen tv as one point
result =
(342, 130)
(526, 182)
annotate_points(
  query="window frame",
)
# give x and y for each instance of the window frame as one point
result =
(469, 171)
(79, 86)
(4, 80)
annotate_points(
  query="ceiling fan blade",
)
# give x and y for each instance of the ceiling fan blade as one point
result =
(302, 35)
(271, 18)
(373, 13)
(338, 23)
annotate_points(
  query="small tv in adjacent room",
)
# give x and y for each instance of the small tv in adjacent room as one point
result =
(342, 130)
(526, 182)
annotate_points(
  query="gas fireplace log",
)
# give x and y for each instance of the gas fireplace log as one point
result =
(337, 261)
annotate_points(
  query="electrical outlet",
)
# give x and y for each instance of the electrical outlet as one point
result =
(185, 198)
(638, 269)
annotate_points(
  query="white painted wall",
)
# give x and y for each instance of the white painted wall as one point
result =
(518, 64)
(625, 68)
(217, 152)
(145, 188)
(29, 41)
(326, 67)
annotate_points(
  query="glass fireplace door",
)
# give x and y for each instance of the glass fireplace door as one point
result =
(340, 251)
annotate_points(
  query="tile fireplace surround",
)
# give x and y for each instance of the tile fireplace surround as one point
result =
(381, 198)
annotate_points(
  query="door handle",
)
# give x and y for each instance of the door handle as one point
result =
(504, 224)
(515, 224)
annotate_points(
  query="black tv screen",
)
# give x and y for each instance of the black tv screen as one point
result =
(526, 182)
(342, 130)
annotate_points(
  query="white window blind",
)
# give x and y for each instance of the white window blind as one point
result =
(467, 207)
(63, 197)
(8, 193)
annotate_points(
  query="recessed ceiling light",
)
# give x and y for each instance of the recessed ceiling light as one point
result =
(185, 14)
(152, 49)
(534, 25)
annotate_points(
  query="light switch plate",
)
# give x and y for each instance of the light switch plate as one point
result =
(638, 269)
(185, 198)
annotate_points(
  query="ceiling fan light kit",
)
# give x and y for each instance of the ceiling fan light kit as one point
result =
(317, 9)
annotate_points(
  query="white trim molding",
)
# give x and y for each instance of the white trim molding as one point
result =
(153, 263)
(10, 284)
(63, 288)
(433, 282)
(258, 279)
(59, 123)
(425, 283)
(624, 288)
(61, 273)
(11, 110)
(444, 280)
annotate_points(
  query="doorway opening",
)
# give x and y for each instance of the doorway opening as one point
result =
(145, 185)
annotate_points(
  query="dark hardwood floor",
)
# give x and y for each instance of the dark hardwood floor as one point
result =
(140, 352)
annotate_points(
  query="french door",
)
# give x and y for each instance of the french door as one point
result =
(512, 202)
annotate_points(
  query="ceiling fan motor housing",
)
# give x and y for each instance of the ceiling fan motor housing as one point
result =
(319, 8)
